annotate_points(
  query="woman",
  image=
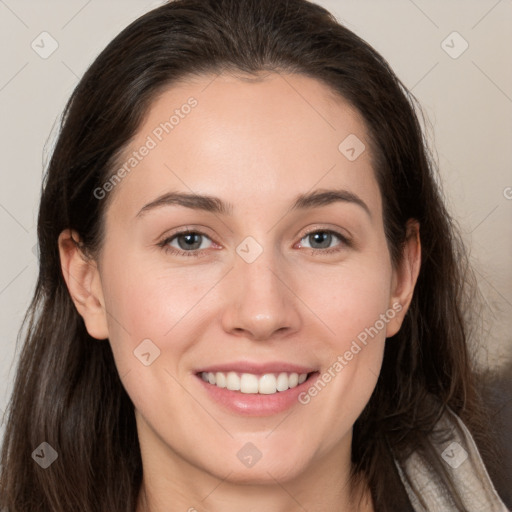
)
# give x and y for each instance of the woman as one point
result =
(264, 372)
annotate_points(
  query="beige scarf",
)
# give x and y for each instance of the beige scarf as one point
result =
(469, 475)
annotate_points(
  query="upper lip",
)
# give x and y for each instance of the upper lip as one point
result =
(257, 368)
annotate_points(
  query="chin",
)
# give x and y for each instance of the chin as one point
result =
(265, 470)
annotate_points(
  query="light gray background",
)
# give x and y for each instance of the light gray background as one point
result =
(467, 99)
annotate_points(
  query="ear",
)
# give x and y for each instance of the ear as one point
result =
(83, 281)
(405, 277)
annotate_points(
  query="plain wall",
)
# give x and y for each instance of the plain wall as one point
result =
(467, 99)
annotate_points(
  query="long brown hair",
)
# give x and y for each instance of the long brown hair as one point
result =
(67, 390)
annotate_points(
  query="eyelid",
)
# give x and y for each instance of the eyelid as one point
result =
(337, 230)
(184, 230)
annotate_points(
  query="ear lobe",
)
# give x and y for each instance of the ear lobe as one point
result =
(84, 285)
(405, 277)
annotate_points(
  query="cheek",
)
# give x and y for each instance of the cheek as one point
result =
(148, 301)
(353, 301)
(351, 298)
(350, 371)
(150, 330)
(139, 306)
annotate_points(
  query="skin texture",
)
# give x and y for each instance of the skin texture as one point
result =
(257, 144)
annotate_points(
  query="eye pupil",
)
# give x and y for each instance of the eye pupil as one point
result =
(322, 236)
(192, 239)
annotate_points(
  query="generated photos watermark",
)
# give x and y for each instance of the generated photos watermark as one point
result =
(152, 141)
(344, 359)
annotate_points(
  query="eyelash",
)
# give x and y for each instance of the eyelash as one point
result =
(164, 244)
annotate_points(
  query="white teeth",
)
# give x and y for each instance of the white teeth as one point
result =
(267, 384)
(233, 381)
(220, 380)
(282, 382)
(249, 383)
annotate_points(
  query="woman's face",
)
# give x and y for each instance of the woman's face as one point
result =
(274, 280)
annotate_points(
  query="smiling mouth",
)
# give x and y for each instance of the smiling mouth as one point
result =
(249, 383)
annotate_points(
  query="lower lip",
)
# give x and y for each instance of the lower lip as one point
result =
(255, 404)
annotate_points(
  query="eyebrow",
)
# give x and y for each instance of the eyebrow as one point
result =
(216, 205)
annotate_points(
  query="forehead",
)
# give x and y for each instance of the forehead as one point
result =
(236, 136)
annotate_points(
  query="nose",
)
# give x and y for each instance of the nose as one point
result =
(261, 304)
